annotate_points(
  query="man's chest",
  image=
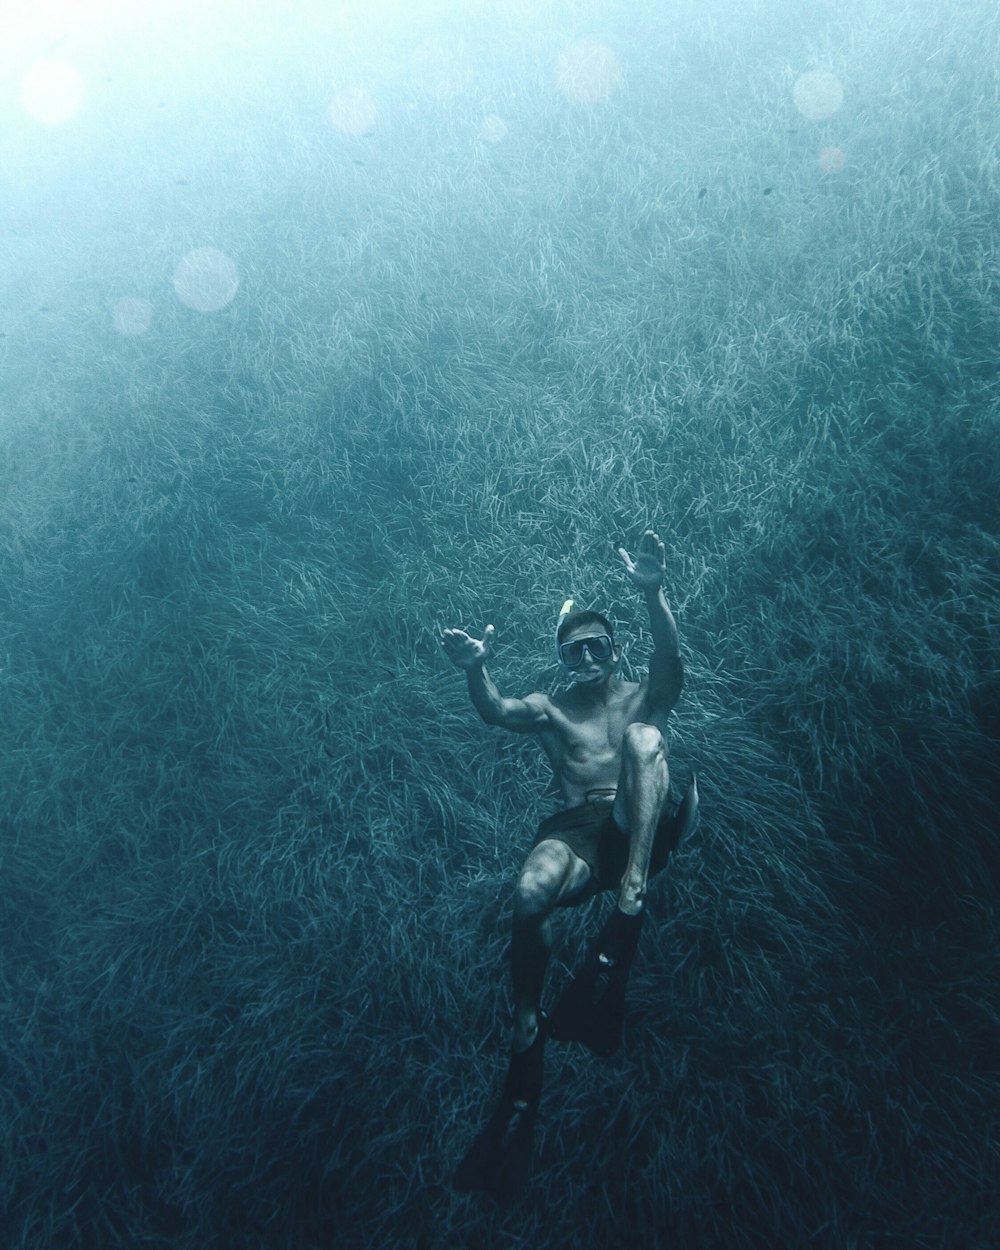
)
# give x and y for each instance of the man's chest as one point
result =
(584, 734)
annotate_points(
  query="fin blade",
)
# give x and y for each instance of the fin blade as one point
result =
(688, 814)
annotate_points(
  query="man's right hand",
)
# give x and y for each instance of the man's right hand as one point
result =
(465, 651)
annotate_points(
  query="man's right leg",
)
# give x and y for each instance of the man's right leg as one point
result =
(552, 876)
(499, 1159)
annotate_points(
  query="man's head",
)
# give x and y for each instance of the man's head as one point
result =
(587, 651)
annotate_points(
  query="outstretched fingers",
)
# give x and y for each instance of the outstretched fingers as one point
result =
(464, 650)
(650, 545)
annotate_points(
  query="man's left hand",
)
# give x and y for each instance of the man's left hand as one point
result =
(649, 567)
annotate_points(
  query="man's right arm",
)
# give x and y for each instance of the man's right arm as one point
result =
(527, 715)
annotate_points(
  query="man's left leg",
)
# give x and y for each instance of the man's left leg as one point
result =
(592, 1008)
(643, 790)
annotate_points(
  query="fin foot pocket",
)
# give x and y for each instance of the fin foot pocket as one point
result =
(498, 1162)
(591, 1009)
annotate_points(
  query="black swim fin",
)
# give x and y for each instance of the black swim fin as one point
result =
(591, 1009)
(498, 1162)
(686, 816)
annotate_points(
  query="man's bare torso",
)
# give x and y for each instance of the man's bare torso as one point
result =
(583, 737)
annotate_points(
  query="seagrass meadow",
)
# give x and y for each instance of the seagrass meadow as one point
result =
(324, 331)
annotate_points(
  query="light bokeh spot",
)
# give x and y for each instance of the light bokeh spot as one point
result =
(52, 92)
(832, 160)
(588, 71)
(206, 280)
(132, 316)
(818, 94)
(353, 111)
(493, 129)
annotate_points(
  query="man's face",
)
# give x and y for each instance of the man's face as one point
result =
(591, 670)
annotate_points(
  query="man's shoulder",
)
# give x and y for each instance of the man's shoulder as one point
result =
(539, 700)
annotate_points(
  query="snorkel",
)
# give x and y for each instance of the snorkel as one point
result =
(564, 611)
(569, 674)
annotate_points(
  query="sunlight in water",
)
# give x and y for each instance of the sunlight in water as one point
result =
(353, 111)
(52, 92)
(818, 94)
(441, 68)
(492, 129)
(132, 316)
(588, 71)
(206, 280)
(832, 160)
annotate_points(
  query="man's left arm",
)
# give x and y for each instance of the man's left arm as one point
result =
(666, 669)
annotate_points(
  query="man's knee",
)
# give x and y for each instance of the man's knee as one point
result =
(542, 881)
(644, 743)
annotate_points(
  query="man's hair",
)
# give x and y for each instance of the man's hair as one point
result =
(584, 618)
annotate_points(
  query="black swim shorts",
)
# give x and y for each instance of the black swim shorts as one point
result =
(590, 831)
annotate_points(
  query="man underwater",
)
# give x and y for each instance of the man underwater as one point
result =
(605, 741)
